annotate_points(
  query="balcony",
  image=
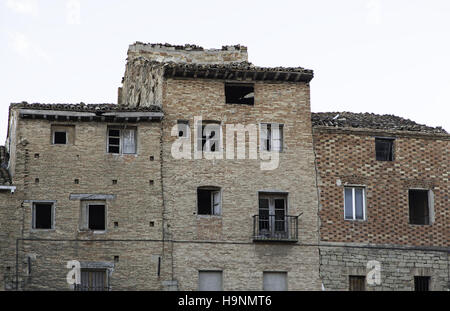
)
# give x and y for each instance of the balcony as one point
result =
(274, 228)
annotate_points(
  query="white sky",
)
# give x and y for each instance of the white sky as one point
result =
(386, 57)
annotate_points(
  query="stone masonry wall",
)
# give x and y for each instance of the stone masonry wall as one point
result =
(398, 267)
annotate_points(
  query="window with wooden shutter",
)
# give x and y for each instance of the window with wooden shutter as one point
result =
(93, 280)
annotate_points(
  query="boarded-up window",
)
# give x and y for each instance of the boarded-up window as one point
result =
(42, 215)
(357, 283)
(122, 141)
(209, 201)
(354, 203)
(419, 206)
(210, 281)
(421, 283)
(271, 137)
(275, 281)
(93, 280)
(384, 149)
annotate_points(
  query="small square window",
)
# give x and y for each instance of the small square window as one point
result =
(354, 203)
(122, 141)
(183, 128)
(357, 283)
(209, 201)
(43, 215)
(421, 283)
(384, 149)
(60, 138)
(275, 281)
(210, 281)
(62, 134)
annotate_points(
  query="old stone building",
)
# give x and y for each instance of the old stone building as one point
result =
(384, 197)
(211, 173)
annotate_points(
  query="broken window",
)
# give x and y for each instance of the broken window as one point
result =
(210, 281)
(421, 283)
(384, 149)
(419, 206)
(93, 280)
(275, 281)
(354, 203)
(42, 215)
(62, 134)
(208, 137)
(93, 216)
(357, 283)
(122, 140)
(183, 128)
(239, 93)
(271, 137)
(209, 201)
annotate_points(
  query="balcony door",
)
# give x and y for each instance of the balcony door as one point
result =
(272, 215)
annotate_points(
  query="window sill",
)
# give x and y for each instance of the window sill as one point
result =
(208, 216)
(356, 220)
(42, 230)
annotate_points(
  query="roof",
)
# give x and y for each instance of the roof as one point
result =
(82, 107)
(370, 121)
(238, 71)
(5, 177)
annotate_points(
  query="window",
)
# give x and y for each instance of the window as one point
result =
(384, 149)
(420, 206)
(122, 141)
(93, 216)
(421, 283)
(357, 283)
(43, 215)
(271, 137)
(272, 215)
(208, 137)
(183, 128)
(354, 203)
(93, 280)
(275, 281)
(209, 201)
(62, 134)
(210, 281)
(239, 93)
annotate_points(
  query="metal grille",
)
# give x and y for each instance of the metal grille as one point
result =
(421, 283)
(275, 228)
(357, 283)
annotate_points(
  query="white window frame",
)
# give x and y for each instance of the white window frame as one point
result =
(121, 139)
(214, 191)
(353, 187)
(33, 215)
(264, 131)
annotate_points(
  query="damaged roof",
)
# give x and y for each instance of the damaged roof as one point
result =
(370, 121)
(82, 107)
(238, 71)
(5, 177)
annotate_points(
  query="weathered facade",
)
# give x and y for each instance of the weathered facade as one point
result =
(346, 155)
(107, 185)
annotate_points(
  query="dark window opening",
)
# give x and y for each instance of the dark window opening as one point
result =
(208, 137)
(384, 149)
(421, 283)
(208, 201)
(43, 215)
(183, 128)
(97, 217)
(357, 283)
(418, 207)
(60, 138)
(243, 94)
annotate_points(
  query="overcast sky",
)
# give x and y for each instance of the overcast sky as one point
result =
(386, 57)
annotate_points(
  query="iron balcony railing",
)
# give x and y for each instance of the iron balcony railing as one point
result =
(275, 228)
